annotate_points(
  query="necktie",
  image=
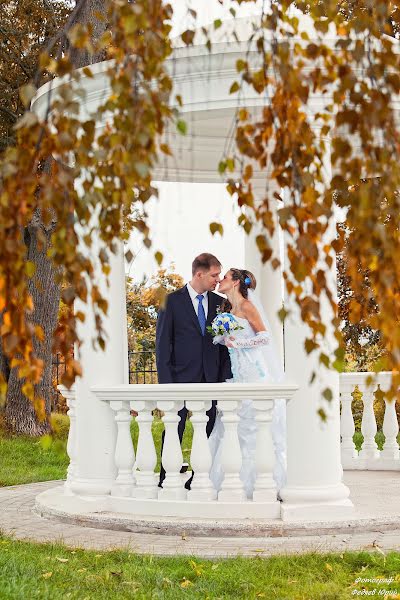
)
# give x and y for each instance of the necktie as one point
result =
(201, 315)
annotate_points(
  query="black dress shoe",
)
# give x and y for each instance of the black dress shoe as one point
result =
(189, 482)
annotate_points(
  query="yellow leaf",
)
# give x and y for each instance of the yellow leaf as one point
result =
(328, 567)
(185, 583)
(216, 227)
(187, 37)
(62, 560)
(26, 93)
(47, 575)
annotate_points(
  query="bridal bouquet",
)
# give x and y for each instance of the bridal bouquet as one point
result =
(223, 324)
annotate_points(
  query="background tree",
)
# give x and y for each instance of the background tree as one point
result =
(28, 29)
(143, 302)
(347, 54)
(357, 73)
(363, 344)
(114, 169)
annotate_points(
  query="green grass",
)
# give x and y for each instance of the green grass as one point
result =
(25, 459)
(54, 572)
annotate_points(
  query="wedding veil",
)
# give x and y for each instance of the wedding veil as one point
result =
(274, 366)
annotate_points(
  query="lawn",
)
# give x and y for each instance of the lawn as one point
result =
(47, 571)
(25, 459)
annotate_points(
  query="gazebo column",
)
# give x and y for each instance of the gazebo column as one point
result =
(314, 488)
(95, 469)
(269, 281)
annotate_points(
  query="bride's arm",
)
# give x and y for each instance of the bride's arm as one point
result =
(253, 316)
(260, 339)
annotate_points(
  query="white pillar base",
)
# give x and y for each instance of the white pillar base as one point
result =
(231, 496)
(172, 494)
(201, 495)
(266, 496)
(326, 503)
(91, 487)
(122, 490)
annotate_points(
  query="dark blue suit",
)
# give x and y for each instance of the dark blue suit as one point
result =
(184, 355)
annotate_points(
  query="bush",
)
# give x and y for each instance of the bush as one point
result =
(60, 425)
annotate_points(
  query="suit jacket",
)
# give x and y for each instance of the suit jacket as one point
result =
(183, 354)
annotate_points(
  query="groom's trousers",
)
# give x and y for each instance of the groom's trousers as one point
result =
(212, 413)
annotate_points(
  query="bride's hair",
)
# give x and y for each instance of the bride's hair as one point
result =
(247, 282)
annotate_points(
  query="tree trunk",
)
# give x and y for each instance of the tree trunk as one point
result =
(20, 414)
(88, 14)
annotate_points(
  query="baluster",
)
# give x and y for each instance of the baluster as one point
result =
(124, 452)
(391, 430)
(200, 457)
(70, 398)
(347, 429)
(146, 456)
(231, 456)
(369, 448)
(264, 488)
(172, 459)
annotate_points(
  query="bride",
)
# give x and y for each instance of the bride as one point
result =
(253, 359)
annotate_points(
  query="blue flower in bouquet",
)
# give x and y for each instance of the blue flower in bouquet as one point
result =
(223, 324)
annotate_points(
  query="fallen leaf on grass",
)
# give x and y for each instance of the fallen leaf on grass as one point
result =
(47, 575)
(198, 569)
(328, 567)
(185, 583)
(379, 549)
(62, 560)
(81, 570)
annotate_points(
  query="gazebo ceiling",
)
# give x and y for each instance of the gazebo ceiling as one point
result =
(203, 79)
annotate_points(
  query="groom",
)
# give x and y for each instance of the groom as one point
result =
(184, 349)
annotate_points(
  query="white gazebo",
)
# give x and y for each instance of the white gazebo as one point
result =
(104, 475)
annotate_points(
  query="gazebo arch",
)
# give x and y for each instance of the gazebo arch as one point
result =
(99, 476)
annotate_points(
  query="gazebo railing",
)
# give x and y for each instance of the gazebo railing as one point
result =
(136, 482)
(369, 457)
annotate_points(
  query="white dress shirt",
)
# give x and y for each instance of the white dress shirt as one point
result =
(195, 302)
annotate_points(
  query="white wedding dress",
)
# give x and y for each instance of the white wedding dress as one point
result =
(249, 362)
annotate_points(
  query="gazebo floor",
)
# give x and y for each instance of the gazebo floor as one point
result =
(375, 524)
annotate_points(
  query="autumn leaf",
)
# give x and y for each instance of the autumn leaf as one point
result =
(216, 227)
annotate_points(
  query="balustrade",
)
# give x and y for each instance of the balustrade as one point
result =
(369, 457)
(136, 480)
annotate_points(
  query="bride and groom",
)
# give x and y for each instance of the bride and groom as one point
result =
(187, 353)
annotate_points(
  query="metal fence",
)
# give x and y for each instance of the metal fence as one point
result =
(142, 367)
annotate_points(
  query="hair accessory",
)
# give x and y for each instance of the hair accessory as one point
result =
(247, 281)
